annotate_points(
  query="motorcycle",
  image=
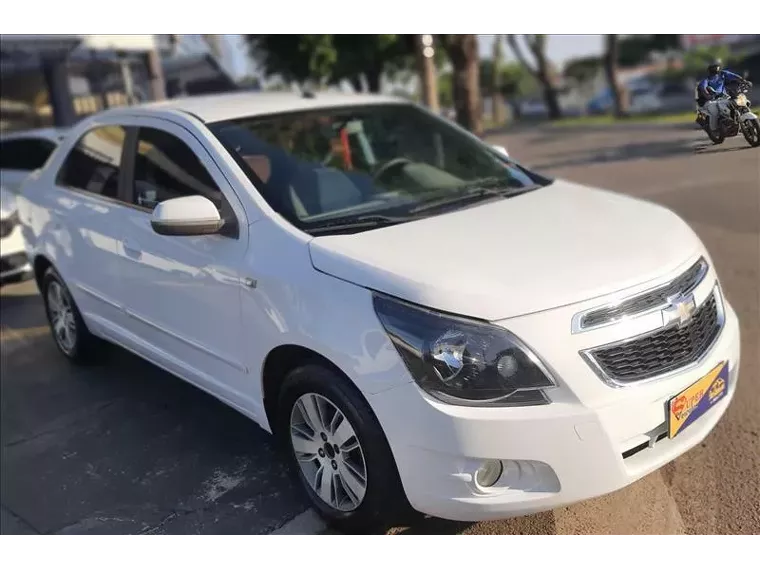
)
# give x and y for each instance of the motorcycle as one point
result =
(734, 115)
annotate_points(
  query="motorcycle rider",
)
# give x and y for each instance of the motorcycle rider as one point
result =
(712, 87)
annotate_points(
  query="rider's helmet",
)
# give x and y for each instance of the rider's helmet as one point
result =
(715, 67)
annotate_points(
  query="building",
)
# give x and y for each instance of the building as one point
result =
(56, 80)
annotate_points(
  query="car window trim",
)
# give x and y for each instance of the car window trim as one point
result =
(128, 191)
(58, 183)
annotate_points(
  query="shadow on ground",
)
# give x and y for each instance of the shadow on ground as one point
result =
(653, 150)
(536, 524)
(122, 447)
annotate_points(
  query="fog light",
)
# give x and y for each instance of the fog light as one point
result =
(488, 474)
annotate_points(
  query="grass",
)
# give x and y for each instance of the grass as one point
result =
(673, 118)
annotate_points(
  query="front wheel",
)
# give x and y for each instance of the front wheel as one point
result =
(715, 137)
(751, 132)
(338, 451)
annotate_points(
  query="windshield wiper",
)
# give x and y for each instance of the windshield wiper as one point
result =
(360, 222)
(473, 193)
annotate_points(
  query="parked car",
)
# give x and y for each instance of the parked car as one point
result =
(24, 151)
(14, 264)
(420, 320)
(20, 154)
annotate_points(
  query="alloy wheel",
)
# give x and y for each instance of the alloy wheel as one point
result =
(62, 319)
(328, 452)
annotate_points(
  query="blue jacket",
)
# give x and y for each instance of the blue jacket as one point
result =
(717, 82)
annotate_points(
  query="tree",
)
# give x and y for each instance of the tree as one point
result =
(368, 55)
(462, 50)
(299, 58)
(583, 69)
(619, 99)
(543, 71)
(425, 57)
(637, 49)
(496, 94)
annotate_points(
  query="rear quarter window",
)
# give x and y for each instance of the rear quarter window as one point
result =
(94, 164)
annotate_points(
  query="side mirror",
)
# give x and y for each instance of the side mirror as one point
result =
(500, 150)
(190, 215)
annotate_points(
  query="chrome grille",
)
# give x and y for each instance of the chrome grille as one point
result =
(662, 351)
(649, 300)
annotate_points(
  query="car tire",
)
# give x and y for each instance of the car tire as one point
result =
(383, 502)
(70, 333)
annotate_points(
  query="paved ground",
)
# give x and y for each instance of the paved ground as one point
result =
(126, 448)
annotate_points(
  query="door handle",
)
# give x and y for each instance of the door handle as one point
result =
(131, 248)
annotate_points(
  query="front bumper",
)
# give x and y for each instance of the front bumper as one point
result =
(13, 258)
(553, 455)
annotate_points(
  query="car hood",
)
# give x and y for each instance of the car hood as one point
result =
(7, 203)
(552, 247)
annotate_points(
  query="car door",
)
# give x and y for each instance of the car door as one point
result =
(183, 292)
(19, 157)
(85, 225)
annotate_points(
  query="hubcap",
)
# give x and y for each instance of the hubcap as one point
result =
(328, 452)
(61, 316)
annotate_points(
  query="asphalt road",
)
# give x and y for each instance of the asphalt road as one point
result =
(123, 447)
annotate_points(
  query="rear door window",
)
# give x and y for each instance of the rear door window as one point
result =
(25, 154)
(94, 164)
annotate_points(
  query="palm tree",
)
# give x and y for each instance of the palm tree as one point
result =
(462, 50)
(496, 94)
(619, 99)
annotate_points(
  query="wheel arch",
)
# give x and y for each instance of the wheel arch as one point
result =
(40, 265)
(279, 362)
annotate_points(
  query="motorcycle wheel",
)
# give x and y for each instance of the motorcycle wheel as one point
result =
(717, 138)
(751, 132)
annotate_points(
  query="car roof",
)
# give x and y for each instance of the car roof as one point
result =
(51, 133)
(227, 106)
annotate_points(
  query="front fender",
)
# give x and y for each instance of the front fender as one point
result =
(749, 115)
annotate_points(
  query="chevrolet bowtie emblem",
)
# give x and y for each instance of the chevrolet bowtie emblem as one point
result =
(680, 310)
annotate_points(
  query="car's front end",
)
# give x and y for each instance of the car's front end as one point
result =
(646, 379)
(14, 263)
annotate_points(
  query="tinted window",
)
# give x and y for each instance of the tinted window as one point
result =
(95, 162)
(25, 154)
(166, 168)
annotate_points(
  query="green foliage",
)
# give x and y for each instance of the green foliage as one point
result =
(331, 58)
(636, 50)
(583, 69)
(695, 62)
(514, 79)
(298, 58)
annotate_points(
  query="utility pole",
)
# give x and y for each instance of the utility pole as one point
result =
(428, 76)
(155, 74)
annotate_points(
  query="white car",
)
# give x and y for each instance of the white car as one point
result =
(419, 320)
(20, 154)
(13, 261)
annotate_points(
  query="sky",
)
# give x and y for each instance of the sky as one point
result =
(560, 48)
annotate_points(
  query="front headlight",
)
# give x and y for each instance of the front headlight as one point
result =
(464, 362)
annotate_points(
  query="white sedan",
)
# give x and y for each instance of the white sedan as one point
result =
(420, 320)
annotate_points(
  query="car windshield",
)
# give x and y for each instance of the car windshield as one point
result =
(352, 169)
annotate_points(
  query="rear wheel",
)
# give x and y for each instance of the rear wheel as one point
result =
(751, 132)
(70, 333)
(338, 451)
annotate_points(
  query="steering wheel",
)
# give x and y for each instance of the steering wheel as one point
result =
(392, 163)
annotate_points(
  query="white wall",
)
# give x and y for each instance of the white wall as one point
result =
(136, 42)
